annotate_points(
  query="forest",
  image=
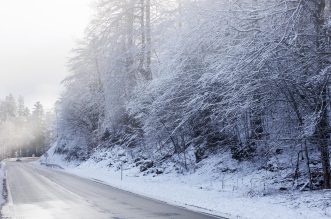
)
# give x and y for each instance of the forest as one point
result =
(178, 81)
(24, 132)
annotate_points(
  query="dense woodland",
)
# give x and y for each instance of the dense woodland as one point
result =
(23, 132)
(182, 79)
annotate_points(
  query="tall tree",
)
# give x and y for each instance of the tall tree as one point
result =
(323, 126)
(148, 41)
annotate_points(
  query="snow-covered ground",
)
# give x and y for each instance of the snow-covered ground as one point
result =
(3, 194)
(232, 194)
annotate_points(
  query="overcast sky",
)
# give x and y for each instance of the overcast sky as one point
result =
(36, 37)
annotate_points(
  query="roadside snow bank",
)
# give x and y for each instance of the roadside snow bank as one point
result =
(231, 195)
(3, 189)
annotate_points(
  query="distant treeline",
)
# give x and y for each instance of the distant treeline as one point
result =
(23, 131)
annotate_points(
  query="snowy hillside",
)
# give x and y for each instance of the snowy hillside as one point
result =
(218, 186)
(227, 99)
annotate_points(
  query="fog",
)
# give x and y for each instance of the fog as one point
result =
(36, 39)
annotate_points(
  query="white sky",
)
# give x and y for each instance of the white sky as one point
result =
(36, 37)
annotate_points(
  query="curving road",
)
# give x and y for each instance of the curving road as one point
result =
(41, 193)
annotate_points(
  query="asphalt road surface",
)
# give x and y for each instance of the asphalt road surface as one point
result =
(41, 193)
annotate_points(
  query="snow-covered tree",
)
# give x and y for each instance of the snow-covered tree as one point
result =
(186, 78)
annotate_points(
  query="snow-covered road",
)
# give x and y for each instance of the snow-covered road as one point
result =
(36, 192)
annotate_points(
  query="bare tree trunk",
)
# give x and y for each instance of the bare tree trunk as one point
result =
(323, 140)
(148, 41)
(256, 131)
(143, 37)
(308, 165)
(323, 127)
(129, 56)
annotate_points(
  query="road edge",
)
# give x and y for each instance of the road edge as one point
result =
(4, 186)
(185, 206)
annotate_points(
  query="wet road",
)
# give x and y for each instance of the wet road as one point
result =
(36, 192)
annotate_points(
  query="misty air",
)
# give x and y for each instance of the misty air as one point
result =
(179, 109)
